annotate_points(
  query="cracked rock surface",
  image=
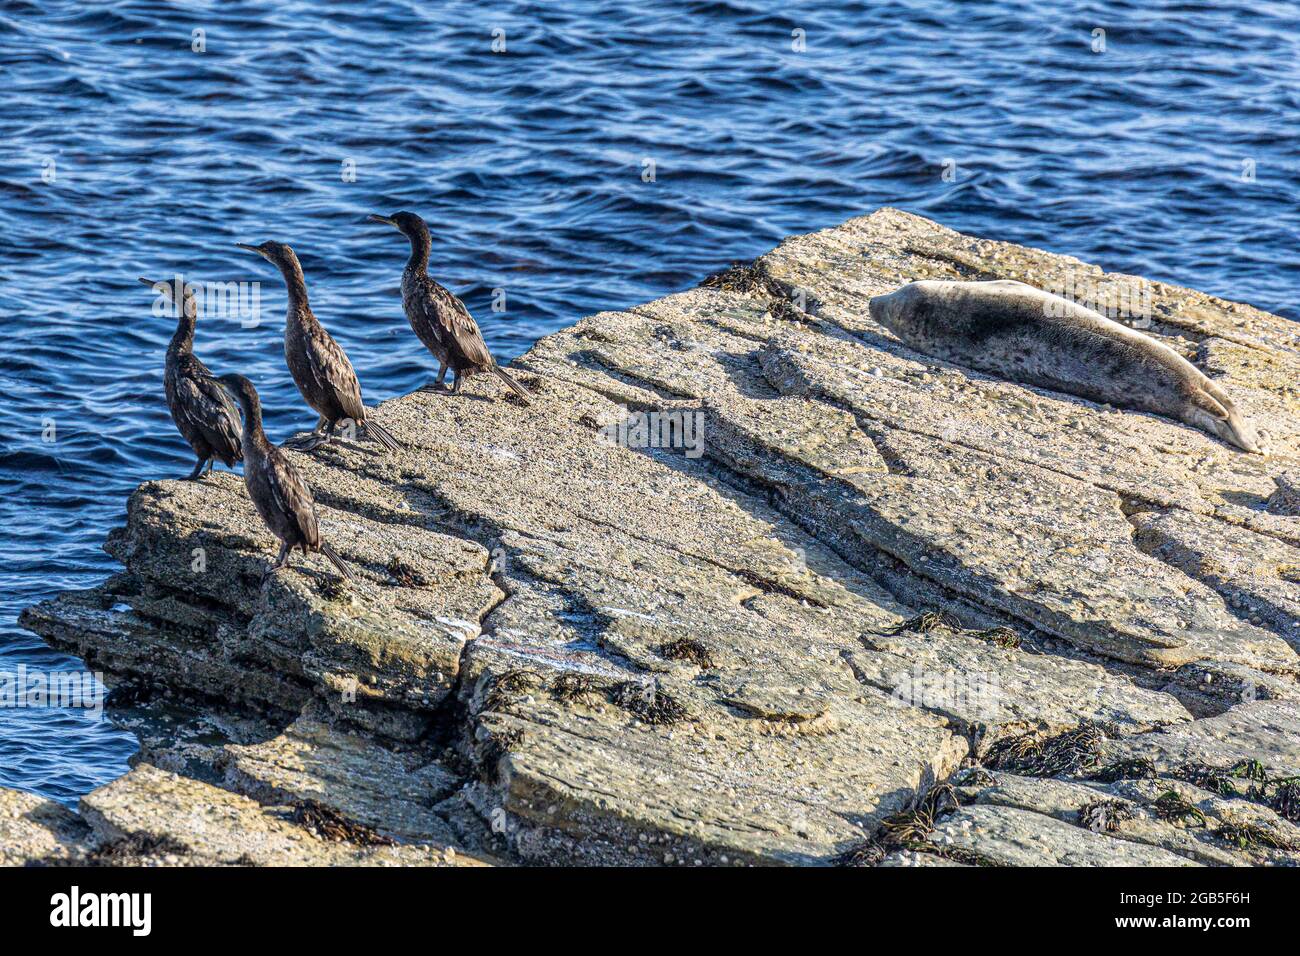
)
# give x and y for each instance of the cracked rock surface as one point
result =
(852, 575)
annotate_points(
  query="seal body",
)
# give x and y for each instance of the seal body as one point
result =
(1023, 334)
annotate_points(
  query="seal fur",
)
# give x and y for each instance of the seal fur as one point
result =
(1023, 334)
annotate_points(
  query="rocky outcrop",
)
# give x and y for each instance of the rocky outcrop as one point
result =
(860, 606)
(33, 829)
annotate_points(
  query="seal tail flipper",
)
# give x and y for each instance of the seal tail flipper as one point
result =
(1215, 392)
(335, 560)
(383, 436)
(518, 389)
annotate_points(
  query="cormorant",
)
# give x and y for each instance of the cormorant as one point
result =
(278, 491)
(319, 366)
(440, 319)
(200, 407)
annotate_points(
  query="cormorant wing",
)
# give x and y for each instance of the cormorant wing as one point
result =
(197, 365)
(212, 389)
(428, 310)
(330, 366)
(292, 496)
(465, 336)
(210, 412)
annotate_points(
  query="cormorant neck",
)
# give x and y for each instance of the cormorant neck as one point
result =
(254, 436)
(420, 246)
(295, 284)
(183, 337)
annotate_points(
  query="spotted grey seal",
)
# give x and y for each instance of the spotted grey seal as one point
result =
(1026, 335)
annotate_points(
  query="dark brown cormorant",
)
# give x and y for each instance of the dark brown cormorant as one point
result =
(440, 319)
(200, 407)
(278, 491)
(319, 366)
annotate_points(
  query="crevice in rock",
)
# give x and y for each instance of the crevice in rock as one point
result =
(972, 731)
(1153, 549)
(1273, 534)
(966, 266)
(911, 586)
(910, 589)
(863, 414)
(756, 337)
(745, 574)
(663, 392)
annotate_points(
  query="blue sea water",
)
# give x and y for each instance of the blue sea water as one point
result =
(131, 145)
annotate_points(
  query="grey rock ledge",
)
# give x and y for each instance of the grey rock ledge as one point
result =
(562, 650)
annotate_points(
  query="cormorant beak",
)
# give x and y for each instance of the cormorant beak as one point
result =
(244, 245)
(160, 287)
(384, 219)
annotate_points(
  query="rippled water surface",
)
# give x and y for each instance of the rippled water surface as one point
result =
(123, 152)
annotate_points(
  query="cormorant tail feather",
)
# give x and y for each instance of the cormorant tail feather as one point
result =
(518, 389)
(335, 560)
(383, 436)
